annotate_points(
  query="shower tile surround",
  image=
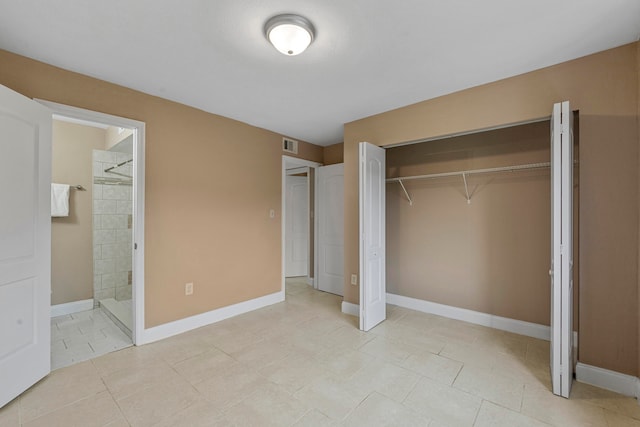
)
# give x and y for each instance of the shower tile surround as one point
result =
(112, 213)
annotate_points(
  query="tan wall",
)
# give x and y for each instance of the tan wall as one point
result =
(333, 154)
(210, 183)
(72, 236)
(491, 255)
(306, 151)
(638, 119)
(604, 87)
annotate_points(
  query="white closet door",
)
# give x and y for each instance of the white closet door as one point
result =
(561, 271)
(330, 209)
(373, 308)
(25, 243)
(297, 226)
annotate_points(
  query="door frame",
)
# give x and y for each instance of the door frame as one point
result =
(138, 198)
(294, 162)
(292, 172)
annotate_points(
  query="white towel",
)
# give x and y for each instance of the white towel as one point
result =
(59, 200)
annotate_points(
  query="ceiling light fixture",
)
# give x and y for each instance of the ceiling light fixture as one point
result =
(290, 34)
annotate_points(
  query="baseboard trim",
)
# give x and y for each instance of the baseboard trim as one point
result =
(350, 309)
(503, 323)
(311, 281)
(71, 307)
(610, 380)
(184, 325)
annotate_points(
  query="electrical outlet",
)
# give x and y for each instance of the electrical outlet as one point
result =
(354, 279)
(188, 289)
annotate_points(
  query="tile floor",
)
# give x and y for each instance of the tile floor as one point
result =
(121, 312)
(82, 336)
(303, 363)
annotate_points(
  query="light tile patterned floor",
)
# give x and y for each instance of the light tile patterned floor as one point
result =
(303, 363)
(82, 336)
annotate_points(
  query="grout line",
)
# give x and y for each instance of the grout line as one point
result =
(478, 412)
(458, 374)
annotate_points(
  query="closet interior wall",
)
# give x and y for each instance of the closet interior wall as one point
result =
(491, 255)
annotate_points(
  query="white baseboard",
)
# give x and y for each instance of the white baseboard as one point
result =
(351, 309)
(503, 323)
(311, 281)
(184, 325)
(71, 307)
(610, 380)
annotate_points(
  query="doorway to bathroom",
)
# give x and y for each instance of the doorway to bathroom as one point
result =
(96, 246)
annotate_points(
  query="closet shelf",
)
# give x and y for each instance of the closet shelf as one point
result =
(464, 174)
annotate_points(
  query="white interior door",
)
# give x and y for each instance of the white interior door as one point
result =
(297, 226)
(330, 236)
(373, 309)
(561, 271)
(25, 243)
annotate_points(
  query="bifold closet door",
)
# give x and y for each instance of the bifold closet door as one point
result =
(561, 270)
(330, 236)
(373, 297)
(25, 243)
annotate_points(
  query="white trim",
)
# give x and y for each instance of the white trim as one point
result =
(71, 307)
(350, 309)
(311, 281)
(189, 323)
(138, 196)
(610, 380)
(295, 162)
(520, 327)
(503, 323)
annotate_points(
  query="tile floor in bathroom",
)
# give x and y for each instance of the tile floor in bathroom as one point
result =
(83, 336)
(304, 363)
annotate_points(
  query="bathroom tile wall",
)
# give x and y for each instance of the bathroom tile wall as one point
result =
(112, 210)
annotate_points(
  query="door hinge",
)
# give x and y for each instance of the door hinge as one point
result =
(135, 246)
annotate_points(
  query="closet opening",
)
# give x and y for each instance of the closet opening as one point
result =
(468, 221)
(468, 227)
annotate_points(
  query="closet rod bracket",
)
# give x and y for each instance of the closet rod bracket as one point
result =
(466, 187)
(405, 192)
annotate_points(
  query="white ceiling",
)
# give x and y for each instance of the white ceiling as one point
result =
(369, 56)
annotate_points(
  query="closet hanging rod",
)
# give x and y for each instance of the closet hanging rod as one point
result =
(473, 171)
(118, 165)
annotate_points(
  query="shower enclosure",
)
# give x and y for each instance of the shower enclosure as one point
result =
(112, 232)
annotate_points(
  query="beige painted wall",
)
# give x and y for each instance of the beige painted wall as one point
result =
(491, 255)
(638, 120)
(333, 154)
(210, 183)
(604, 87)
(306, 151)
(72, 236)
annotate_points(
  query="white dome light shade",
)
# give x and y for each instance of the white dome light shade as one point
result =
(290, 34)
